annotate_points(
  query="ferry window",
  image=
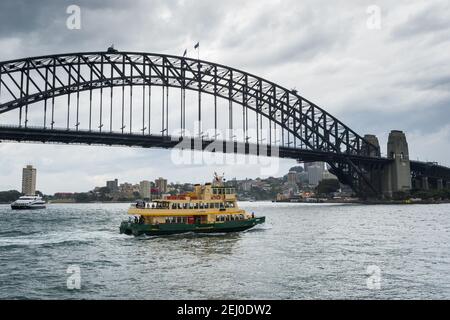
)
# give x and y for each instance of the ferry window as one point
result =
(196, 206)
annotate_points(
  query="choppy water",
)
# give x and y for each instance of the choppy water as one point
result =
(302, 252)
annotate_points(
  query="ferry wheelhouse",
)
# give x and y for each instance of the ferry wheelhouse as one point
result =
(209, 208)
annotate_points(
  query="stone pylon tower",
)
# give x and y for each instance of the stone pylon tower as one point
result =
(397, 175)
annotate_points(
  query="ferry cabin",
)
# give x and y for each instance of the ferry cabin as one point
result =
(207, 204)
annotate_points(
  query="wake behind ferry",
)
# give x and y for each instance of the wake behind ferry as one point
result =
(208, 209)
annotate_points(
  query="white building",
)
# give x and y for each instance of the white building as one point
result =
(315, 174)
(292, 177)
(145, 189)
(161, 185)
(29, 181)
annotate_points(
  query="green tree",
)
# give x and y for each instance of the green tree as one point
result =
(82, 197)
(9, 196)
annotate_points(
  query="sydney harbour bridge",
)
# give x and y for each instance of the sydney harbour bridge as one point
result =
(139, 99)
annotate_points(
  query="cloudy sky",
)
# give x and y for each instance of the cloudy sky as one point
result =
(374, 79)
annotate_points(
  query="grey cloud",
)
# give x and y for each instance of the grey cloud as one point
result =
(430, 21)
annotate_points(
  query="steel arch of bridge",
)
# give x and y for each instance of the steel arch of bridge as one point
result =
(25, 82)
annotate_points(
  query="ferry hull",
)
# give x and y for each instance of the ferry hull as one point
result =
(137, 229)
(27, 207)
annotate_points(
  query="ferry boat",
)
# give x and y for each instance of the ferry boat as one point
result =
(211, 208)
(28, 202)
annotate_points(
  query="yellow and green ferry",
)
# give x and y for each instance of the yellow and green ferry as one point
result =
(211, 208)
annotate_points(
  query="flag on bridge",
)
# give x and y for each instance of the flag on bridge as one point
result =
(185, 53)
(197, 45)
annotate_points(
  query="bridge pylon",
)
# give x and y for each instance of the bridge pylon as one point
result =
(397, 174)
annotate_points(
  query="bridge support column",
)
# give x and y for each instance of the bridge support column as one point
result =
(397, 175)
(440, 184)
(425, 184)
(375, 172)
(374, 141)
(415, 183)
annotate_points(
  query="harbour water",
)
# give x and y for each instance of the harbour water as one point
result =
(304, 251)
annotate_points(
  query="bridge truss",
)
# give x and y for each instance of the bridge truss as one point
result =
(122, 98)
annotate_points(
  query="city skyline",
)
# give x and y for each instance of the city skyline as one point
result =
(309, 176)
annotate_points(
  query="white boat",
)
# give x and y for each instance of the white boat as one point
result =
(28, 202)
